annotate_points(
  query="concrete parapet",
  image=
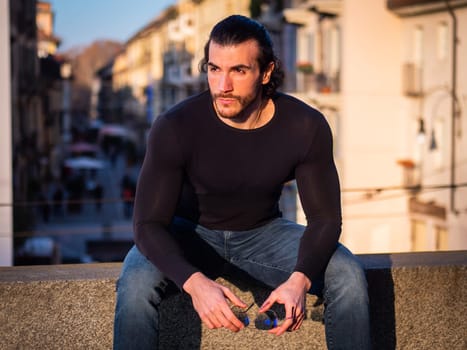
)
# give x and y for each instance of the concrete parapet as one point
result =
(418, 301)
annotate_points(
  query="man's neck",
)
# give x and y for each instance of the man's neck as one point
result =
(254, 119)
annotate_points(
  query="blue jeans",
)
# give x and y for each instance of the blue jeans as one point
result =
(268, 254)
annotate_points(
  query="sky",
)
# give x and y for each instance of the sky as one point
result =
(80, 22)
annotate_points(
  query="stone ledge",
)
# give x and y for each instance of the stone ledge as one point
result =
(418, 301)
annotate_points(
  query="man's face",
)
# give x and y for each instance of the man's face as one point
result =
(234, 77)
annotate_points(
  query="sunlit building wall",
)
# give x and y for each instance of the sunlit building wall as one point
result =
(47, 42)
(138, 59)
(119, 71)
(158, 44)
(434, 86)
(208, 13)
(187, 34)
(159, 63)
(318, 65)
(373, 129)
(139, 66)
(363, 62)
(139, 54)
(179, 80)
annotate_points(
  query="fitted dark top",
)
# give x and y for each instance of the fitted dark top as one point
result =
(224, 178)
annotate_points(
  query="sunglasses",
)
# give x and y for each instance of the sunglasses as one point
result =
(263, 321)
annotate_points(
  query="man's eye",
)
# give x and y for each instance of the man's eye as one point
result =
(213, 69)
(240, 70)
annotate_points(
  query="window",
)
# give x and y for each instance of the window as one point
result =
(418, 46)
(428, 235)
(334, 51)
(419, 236)
(442, 41)
(306, 48)
(310, 50)
(441, 238)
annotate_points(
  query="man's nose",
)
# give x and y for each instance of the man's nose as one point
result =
(225, 83)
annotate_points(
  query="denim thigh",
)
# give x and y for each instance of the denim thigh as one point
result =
(267, 253)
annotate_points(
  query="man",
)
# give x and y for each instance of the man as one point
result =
(208, 191)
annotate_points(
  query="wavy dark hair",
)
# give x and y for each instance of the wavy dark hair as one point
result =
(237, 29)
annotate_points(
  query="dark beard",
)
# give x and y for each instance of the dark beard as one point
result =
(246, 103)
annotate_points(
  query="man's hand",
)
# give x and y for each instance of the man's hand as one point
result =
(291, 294)
(209, 301)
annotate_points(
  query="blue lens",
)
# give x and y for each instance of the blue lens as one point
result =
(266, 320)
(242, 316)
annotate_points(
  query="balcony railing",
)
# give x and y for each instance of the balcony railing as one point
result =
(319, 83)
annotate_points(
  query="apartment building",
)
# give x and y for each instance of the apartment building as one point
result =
(139, 67)
(47, 41)
(383, 73)
(434, 88)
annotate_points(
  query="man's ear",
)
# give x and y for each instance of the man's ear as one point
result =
(267, 73)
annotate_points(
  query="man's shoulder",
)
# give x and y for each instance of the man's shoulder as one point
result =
(290, 101)
(189, 106)
(292, 106)
(183, 117)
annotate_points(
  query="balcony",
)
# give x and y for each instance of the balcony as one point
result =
(319, 83)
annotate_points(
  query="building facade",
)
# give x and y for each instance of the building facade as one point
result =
(434, 88)
(36, 87)
(47, 41)
(391, 84)
(393, 89)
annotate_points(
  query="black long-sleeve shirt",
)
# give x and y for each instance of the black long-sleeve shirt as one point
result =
(225, 178)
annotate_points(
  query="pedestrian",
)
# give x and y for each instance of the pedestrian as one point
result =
(58, 200)
(98, 195)
(44, 205)
(128, 192)
(208, 191)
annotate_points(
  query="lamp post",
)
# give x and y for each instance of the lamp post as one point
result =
(421, 134)
(454, 109)
(65, 72)
(433, 143)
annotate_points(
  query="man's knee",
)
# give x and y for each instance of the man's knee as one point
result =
(345, 274)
